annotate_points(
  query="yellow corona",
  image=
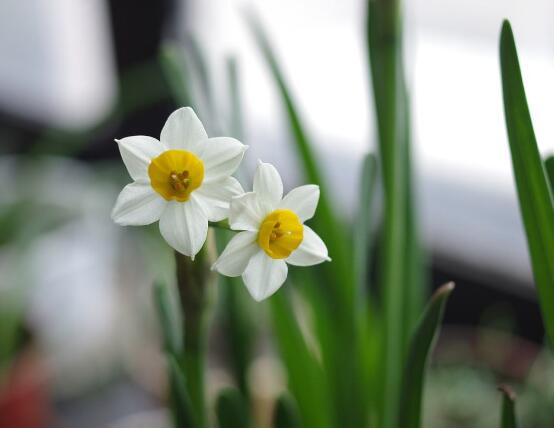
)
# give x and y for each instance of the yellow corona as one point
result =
(175, 174)
(281, 232)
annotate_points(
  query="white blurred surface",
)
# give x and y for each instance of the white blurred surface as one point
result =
(466, 191)
(57, 65)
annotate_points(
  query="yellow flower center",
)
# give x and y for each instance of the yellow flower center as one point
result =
(280, 233)
(175, 174)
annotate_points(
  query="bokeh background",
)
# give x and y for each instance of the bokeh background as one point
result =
(79, 341)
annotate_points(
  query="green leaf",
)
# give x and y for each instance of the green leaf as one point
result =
(420, 348)
(176, 72)
(183, 414)
(535, 197)
(286, 413)
(363, 224)
(549, 166)
(306, 379)
(239, 326)
(508, 414)
(231, 409)
(399, 270)
(170, 319)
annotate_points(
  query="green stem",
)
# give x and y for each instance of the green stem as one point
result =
(223, 224)
(192, 280)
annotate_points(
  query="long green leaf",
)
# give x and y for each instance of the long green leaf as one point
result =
(231, 409)
(170, 319)
(549, 166)
(363, 223)
(384, 51)
(176, 73)
(416, 363)
(306, 379)
(535, 197)
(508, 412)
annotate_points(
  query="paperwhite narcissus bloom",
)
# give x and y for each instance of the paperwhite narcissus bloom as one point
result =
(183, 180)
(274, 233)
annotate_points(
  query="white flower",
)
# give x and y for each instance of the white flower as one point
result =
(274, 234)
(184, 180)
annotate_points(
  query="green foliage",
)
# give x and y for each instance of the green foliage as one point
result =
(231, 409)
(362, 227)
(421, 346)
(286, 413)
(305, 376)
(535, 196)
(183, 414)
(171, 326)
(402, 279)
(508, 413)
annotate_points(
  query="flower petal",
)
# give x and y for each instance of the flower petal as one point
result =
(221, 157)
(137, 152)
(311, 251)
(302, 200)
(268, 185)
(215, 197)
(184, 226)
(237, 254)
(246, 213)
(138, 205)
(263, 275)
(184, 131)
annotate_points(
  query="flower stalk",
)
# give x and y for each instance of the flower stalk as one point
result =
(193, 284)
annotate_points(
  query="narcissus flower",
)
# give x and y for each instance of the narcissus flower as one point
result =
(274, 233)
(183, 180)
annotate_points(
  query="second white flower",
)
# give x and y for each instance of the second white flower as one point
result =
(273, 233)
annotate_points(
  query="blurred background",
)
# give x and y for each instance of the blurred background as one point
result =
(79, 342)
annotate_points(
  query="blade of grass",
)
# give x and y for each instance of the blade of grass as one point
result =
(421, 346)
(508, 413)
(535, 198)
(286, 413)
(231, 409)
(306, 379)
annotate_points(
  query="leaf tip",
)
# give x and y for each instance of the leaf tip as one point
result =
(507, 391)
(444, 290)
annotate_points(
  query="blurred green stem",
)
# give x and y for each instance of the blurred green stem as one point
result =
(193, 278)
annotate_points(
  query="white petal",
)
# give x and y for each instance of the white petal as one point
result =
(184, 226)
(184, 131)
(302, 200)
(137, 152)
(137, 205)
(312, 250)
(237, 254)
(263, 275)
(246, 213)
(268, 185)
(215, 197)
(221, 157)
